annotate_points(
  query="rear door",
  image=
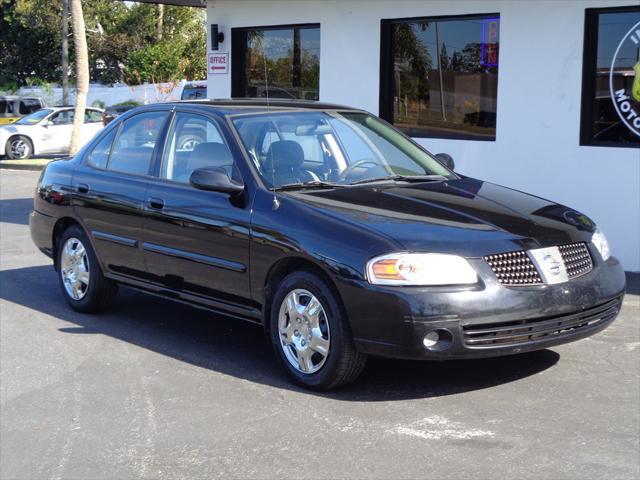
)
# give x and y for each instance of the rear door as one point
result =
(110, 190)
(92, 124)
(197, 241)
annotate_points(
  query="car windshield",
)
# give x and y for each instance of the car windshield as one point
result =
(34, 118)
(344, 148)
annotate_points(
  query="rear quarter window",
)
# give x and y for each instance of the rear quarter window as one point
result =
(99, 156)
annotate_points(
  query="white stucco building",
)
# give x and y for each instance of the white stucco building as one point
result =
(520, 95)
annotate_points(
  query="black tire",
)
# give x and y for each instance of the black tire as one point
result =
(28, 145)
(343, 363)
(101, 292)
(189, 142)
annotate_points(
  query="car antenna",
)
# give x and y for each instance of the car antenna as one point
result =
(276, 202)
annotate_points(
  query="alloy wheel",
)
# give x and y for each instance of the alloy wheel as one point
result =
(304, 331)
(74, 268)
(19, 149)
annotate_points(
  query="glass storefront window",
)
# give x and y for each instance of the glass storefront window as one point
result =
(440, 76)
(292, 57)
(611, 78)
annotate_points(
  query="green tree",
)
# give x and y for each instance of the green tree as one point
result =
(30, 40)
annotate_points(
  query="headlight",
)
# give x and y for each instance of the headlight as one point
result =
(600, 242)
(420, 269)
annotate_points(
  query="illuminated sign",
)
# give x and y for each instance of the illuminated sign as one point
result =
(626, 95)
(490, 42)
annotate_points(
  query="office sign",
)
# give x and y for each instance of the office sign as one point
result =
(217, 63)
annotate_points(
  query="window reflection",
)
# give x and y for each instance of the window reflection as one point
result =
(603, 123)
(292, 57)
(445, 77)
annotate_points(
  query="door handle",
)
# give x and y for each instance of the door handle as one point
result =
(156, 203)
(83, 188)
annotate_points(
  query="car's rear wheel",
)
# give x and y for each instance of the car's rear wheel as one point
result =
(19, 147)
(311, 335)
(83, 285)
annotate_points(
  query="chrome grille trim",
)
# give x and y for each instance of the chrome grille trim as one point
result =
(522, 332)
(514, 268)
(576, 258)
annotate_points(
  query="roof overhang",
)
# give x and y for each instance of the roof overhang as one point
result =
(181, 3)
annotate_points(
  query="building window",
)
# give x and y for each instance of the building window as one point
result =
(292, 57)
(439, 76)
(611, 78)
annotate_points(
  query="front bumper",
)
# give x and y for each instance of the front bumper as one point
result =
(486, 320)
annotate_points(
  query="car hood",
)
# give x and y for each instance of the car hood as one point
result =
(466, 216)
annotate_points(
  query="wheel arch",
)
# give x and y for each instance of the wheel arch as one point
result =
(23, 135)
(59, 228)
(284, 267)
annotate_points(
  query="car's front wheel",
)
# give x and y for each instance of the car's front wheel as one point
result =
(19, 148)
(83, 285)
(310, 334)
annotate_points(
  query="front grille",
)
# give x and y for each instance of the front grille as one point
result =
(520, 332)
(576, 259)
(514, 268)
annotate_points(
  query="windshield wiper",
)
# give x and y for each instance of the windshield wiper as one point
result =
(402, 178)
(310, 184)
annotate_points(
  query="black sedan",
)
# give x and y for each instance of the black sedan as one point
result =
(338, 234)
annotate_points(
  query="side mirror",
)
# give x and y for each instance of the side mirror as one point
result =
(446, 160)
(47, 124)
(215, 179)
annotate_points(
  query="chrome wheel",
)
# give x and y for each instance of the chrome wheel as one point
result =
(19, 149)
(304, 331)
(189, 144)
(74, 268)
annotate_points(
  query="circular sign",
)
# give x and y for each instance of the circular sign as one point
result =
(627, 100)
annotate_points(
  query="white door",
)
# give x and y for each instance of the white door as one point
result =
(57, 133)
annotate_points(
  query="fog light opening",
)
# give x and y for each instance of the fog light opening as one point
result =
(437, 340)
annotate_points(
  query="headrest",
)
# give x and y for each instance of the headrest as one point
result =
(284, 154)
(210, 154)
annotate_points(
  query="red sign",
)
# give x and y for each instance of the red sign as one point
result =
(490, 42)
(217, 63)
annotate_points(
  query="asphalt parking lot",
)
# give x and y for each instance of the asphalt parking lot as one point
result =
(154, 389)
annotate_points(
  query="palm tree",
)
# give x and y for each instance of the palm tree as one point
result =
(65, 52)
(82, 72)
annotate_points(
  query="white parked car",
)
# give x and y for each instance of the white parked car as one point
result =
(46, 131)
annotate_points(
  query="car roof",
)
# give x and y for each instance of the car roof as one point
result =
(70, 107)
(18, 97)
(231, 106)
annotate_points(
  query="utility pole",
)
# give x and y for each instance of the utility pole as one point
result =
(65, 52)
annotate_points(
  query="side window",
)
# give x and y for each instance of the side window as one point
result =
(29, 105)
(65, 117)
(99, 156)
(194, 142)
(133, 149)
(92, 116)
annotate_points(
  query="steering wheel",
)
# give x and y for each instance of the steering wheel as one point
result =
(359, 163)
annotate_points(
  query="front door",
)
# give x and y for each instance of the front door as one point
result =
(56, 134)
(196, 241)
(110, 191)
